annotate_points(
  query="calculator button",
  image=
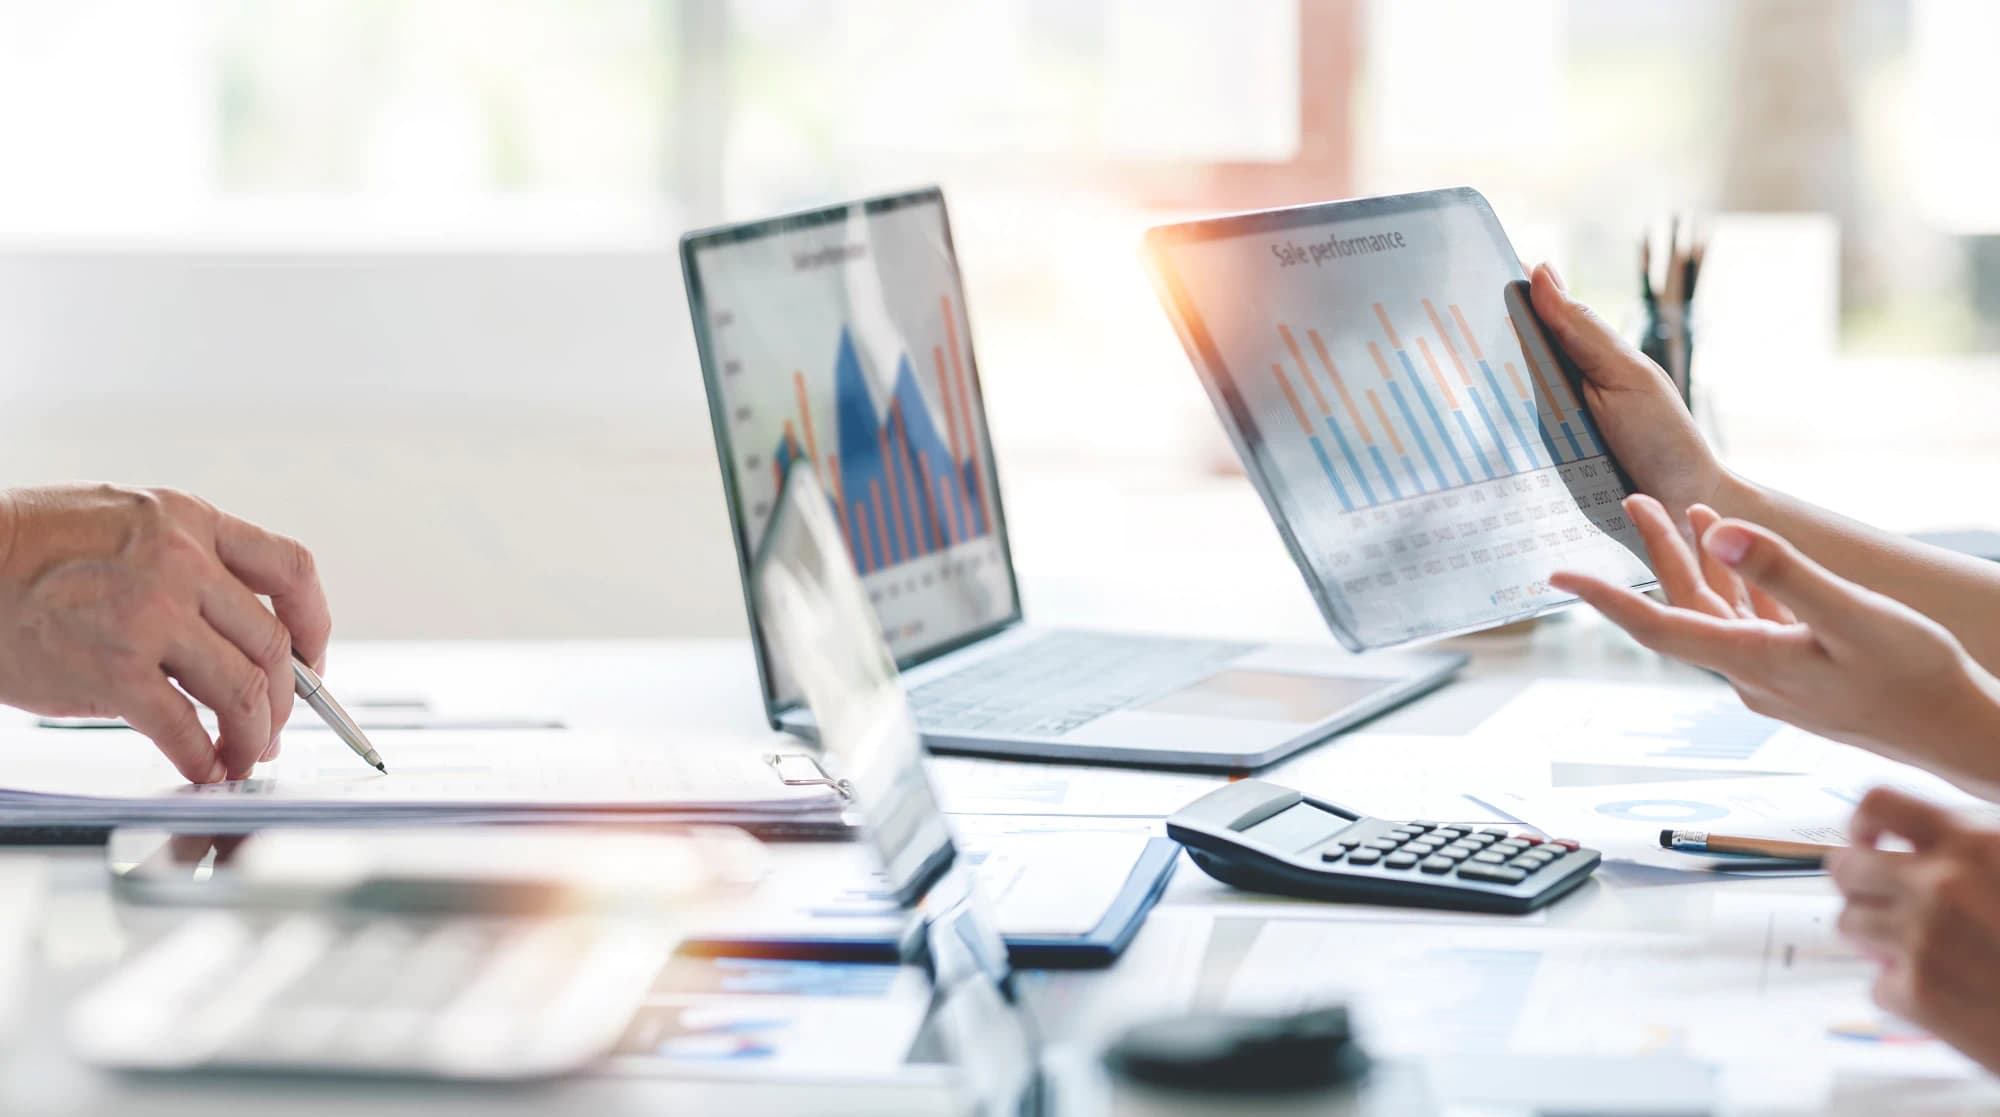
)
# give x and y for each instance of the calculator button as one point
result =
(1488, 858)
(1526, 864)
(1363, 857)
(1385, 845)
(1405, 832)
(1453, 853)
(1400, 860)
(1509, 847)
(1566, 843)
(1463, 849)
(1480, 840)
(1421, 824)
(1422, 848)
(1494, 832)
(1529, 839)
(1333, 854)
(1349, 843)
(1492, 874)
(1454, 831)
(1437, 864)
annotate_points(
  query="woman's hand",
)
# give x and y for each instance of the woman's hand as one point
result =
(1635, 405)
(106, 593)
(1931, 917)
(1804, 646)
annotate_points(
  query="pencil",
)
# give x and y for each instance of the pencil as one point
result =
(1701, 841)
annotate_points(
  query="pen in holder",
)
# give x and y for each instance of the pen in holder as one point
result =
(1668, 333)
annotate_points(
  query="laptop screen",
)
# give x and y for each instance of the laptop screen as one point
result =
(818, 623)
(839, 338)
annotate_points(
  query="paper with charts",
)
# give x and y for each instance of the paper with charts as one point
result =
(1763, 980)
(1596, 732)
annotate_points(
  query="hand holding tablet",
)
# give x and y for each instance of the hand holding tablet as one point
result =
(1423, 451)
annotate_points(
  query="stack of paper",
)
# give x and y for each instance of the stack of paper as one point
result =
(116, 778)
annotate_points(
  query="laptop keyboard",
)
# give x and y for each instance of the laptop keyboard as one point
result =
(1061, 680)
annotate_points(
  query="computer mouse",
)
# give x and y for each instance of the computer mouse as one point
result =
(1236, 1052)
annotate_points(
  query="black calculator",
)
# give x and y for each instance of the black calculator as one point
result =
(1267, 838)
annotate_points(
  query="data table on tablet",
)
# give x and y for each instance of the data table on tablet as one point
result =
(1393, 397)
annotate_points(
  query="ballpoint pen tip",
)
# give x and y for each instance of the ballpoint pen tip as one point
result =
(381, 767)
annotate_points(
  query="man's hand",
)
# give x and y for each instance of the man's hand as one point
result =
(106, 593)
(1930, 918)
(1807, 647)
(1635, 405)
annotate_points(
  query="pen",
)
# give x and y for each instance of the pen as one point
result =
(1701, 841)
(307, 684)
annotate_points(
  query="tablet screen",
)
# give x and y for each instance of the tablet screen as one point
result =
(1425, 455)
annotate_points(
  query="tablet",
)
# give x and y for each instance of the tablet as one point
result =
(1425, 453)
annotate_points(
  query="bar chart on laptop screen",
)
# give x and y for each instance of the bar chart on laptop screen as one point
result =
(845, 345)
(1444, 465)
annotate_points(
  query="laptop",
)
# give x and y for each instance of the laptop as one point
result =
(838, 338)
(822, 626)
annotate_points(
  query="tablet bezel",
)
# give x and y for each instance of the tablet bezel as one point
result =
(1236, 419)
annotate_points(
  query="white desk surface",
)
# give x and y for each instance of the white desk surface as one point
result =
(711, 685)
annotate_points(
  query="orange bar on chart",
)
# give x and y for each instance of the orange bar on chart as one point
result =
(806, 416)
(1542, 387)
(881, 529)
(965, 409)
(1471, 343)
(1382, 417)
(916, 500)
(1382, 316)
(1535, 370)
(1292, 397)
(955, 493)
(1375, 351)
(894, 549)
(1339, 385)
(1292, 344)
(1437, 373)
(1450, 350)
(930, 497)
(859, 513)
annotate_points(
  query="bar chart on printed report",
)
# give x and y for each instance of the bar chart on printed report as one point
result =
(844, 345)
(1400, 399)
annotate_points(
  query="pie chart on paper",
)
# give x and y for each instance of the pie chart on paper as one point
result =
(1679, 811)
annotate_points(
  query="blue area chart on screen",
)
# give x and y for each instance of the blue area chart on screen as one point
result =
(843, 345)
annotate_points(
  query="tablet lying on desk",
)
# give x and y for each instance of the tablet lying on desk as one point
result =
(1426, 455)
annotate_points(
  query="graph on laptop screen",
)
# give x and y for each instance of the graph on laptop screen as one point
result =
(1444, 464)
(844, 343)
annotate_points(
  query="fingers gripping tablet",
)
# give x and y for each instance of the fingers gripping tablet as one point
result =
(1423, 450)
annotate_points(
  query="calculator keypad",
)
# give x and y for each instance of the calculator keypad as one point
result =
(1490, 855)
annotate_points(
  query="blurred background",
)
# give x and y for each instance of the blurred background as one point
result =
(399, 276)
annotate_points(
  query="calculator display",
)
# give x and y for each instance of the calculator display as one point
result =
(1300, 826)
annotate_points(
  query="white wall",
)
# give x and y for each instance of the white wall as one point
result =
(477, 444)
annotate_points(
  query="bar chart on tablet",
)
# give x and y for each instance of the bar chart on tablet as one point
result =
(1459, 430)
(844, 346)
(1394, 391)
